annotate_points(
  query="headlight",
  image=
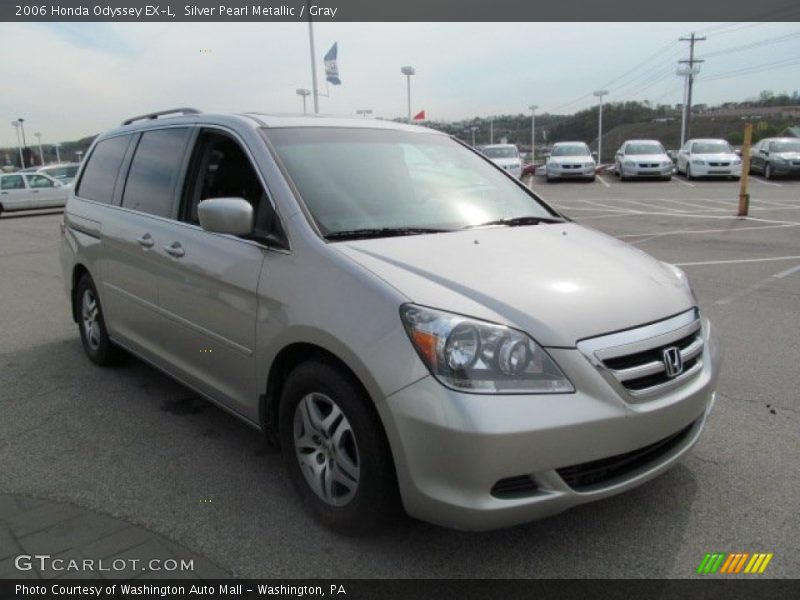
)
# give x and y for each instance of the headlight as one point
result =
(668, 163)
(681, 274)
(589, 164)
(697, 161)
(780, 160)
(476, 356)
(629, 163)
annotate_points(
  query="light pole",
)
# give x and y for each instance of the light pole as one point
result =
(15, 125)
(600, 94)
(533, 108)
(58, 154)
(473, 129)
(313, 59)
(408, 72)
(22, 128)
(41, 154)
(80, 154)
(304, 93)
(364, 112)
(491, 130)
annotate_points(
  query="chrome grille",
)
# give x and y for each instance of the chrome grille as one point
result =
(634, 361)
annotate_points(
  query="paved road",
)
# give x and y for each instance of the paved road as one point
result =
(129, 443)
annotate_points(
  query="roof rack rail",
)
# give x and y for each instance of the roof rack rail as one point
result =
(155, 115)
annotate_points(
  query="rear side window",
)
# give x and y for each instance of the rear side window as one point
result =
(154, 171)
(100, 174)
(12, 182)
(39, 181)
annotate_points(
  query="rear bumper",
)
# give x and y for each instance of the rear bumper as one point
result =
(451, 448)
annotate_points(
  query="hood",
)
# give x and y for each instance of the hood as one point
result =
(571, 160)
(786, 155)
(507, 162)
(560, 283)
(647, 158)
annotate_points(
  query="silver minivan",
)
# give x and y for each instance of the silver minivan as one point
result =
(415, 328)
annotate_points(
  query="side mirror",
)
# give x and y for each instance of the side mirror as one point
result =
(226, 215)
(765, 152)
(594, 154)
(738, 152)
(547, 155)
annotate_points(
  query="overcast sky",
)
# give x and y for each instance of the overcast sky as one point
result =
(72, 80)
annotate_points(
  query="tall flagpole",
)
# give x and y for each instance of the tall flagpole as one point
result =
(313, 59)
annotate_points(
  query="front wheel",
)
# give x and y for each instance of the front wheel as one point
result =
(335, 449)
(688, 171)
(768, 171)
(92, 326)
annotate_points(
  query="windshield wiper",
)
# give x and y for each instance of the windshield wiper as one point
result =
(517, 221)
(377, 232)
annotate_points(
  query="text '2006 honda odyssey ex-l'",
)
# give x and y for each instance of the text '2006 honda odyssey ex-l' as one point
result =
(415, 326)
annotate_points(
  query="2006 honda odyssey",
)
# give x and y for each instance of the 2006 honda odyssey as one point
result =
(415, 326)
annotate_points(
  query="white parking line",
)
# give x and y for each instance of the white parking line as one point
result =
(682, 203)
(682, 182)
(759, 180)
(603, 181)
(757, 286)
(735, 261)
(650, 236)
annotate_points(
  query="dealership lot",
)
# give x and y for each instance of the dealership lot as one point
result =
(130, 443)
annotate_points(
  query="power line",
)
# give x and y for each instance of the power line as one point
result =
(779, 64)
(758, 44)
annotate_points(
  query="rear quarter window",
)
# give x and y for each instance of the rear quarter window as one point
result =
(100, 173)
(154, 171)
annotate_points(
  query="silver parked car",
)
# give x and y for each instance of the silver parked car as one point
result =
(570, 160)
(643, 158)
(29, 191)
(413, 326)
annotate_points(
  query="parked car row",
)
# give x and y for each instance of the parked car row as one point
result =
(772, 157)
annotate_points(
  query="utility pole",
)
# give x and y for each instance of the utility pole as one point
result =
(314, 90)
(690, 78)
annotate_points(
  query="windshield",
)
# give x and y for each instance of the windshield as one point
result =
(784, 146)
(381, 178)
(570, 150)
(644, 149)
(507, 152)
(67, 172)
(711, 148)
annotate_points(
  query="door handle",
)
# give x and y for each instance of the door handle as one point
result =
(175, 249)
(34, 191)
(146, 241)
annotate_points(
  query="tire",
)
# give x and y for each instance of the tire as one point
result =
(667, 178)
(92, 326)
(768, 174)
(364, 497)
(592, 179)
(688, 171)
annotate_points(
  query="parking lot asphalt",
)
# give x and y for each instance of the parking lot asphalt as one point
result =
(130, 443)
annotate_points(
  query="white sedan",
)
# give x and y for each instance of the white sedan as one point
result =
(642, 158)
(505, 156)
(708, 158)
(29, 191)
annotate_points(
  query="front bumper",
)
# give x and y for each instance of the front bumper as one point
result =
(452, 448)
(785, 169)
(569, 173)
(709, 170)
(636, 171)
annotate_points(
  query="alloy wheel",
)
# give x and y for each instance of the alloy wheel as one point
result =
(89, 315)
(326, 449)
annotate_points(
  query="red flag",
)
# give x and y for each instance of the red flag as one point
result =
(420, 116)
